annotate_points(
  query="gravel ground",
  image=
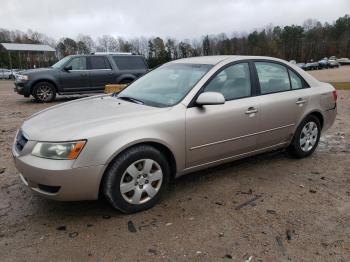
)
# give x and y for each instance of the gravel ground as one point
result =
(264, 208)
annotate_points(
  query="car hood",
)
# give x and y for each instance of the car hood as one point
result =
(85, 118)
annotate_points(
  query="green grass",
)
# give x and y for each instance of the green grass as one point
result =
(341, 85)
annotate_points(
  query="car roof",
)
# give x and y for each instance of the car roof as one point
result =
(225, 59)
(213, 60)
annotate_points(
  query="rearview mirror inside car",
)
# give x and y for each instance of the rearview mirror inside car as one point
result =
(210, 98)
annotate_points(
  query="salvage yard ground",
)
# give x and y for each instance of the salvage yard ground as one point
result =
(269, 207)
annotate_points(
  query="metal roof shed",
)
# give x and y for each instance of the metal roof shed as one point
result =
(26, 47)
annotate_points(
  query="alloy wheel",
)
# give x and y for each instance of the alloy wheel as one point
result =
(308, 136)
(44, 93)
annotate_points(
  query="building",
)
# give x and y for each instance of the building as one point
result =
(25, 56)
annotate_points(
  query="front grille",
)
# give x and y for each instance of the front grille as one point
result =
(21, 141)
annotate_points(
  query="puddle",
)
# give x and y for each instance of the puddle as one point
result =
(333, 143)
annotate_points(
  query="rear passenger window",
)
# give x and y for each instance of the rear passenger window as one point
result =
(296, 82)
(129, 62)
(233, 82)
(99, 62)
(272, 77)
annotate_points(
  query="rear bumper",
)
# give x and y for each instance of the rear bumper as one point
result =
(57, 179)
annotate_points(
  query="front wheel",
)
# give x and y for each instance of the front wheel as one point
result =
(136, 179)
(306, 138)
(44, 92)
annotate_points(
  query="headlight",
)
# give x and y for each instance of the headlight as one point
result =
(68, 150)
(22, 77)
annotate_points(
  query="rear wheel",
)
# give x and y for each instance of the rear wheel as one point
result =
(306, 137)
(44, 92)
(126, 81)
(136, 179)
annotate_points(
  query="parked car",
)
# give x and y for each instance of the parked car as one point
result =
(333, 63)
(14, 72)
(301, 65)
(323, 63)
(344, 61)
(184, 116)
(79, 74)
(5, 73)
(311, 65)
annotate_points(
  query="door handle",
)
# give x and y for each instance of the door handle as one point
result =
(251, 110)
(300, 101)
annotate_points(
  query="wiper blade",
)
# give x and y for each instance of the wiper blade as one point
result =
(131, 99)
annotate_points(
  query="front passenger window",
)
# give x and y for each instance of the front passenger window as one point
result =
(233, 82)
(78, 63)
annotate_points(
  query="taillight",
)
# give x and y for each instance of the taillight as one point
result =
(335, 96)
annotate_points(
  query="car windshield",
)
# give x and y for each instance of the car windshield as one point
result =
(60, 63)
(165, 86)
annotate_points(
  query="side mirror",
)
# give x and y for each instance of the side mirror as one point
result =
(210, 98)
(67, 68)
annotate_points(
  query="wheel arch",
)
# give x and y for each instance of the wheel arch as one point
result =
(156, 144)
(126, 77)
(315, 113)
(43, 80)
(319, 117)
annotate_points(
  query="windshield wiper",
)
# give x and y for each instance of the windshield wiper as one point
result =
(131, 99)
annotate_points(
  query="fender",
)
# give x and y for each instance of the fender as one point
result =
(125, 76)
(47, 78)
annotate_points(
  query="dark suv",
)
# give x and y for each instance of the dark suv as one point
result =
(79, 74)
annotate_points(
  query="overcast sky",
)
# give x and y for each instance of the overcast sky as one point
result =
(175, 18)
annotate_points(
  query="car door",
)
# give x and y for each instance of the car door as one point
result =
(282, 102)
(100, 73)
(77, 78)
(215, 132)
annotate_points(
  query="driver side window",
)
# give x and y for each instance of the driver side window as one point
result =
(78, 63)
(233, 82)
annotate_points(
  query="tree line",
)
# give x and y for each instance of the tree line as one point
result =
(311, 40)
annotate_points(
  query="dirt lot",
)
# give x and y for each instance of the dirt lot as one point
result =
(341, 74)
(298, 210)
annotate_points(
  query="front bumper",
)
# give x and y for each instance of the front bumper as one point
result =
(22, 88)
(58, 179)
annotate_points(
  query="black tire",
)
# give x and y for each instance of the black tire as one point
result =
(117, 169)
(44, 92)
(295, 149)
(126, 81)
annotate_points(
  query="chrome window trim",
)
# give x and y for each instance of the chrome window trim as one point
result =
(74, 70)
